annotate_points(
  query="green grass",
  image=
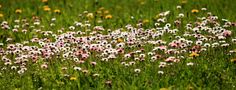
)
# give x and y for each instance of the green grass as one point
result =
(212, 69)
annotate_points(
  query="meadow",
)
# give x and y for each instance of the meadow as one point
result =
(117, 44)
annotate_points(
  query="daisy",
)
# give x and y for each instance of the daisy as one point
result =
(137, 70)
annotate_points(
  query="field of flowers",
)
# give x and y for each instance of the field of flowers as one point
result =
(117, 44)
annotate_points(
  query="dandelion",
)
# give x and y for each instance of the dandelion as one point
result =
(119, 40)
(106, 12)
(194, 11)
(193, 54)
(233, 60)
(73, 78)
(44, 1)
(184, 1)
(1, 15)
(108, 16)
(46, 8)
(90, 15)
(18, 11)
(145, 21)
(57, 11)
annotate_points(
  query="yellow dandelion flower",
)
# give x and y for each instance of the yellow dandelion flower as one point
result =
(18, 11)
(101, 8)
(0, 6)
(142, 3)
(57, 11)
(99, 12)
(195, 11)
(233, 60)
(164, 89)
(1, 15)
(145, 21)
(157, 16)
(194, 54)
(90, 15)
(108, 16)
(47, 8)
(119, 40)
(184, 1)
(44, 1)
(106, 12)
(73, 78)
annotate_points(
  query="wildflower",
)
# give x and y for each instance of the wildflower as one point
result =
(132, 63)
(142, 55)
(72, 28)
(145, 21)
(178, 7)
(85, 71)
(126, 64)
(96, 75)
(46, 8)
(207, 45)
(225, 45)
(193, 54)
(93, 63)
(119, 40)
(160, 72)
(227, 33)
(190, 64)
(108, 16)
(18, 11)
(106, 12)
(183, 1)
(137, 70)
(181, 15)
(234, 40)
(73, 78)
(108, 82)
(90, 15)
(162, 64)
(57, 11)
(233, 60)
(164, 89)
(195, 11)
(13, 67)
(1, 15)
(199, 43)
(204, 9)
(7, 63)
(44, 66)
(44, 1)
